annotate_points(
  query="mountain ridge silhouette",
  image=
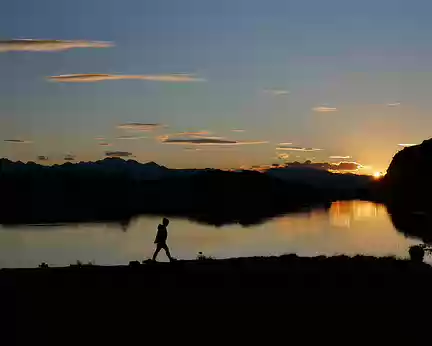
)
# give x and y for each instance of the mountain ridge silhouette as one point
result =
(114, 188)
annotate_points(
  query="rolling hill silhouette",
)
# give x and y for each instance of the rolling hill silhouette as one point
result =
(407, 191)
(117, 189)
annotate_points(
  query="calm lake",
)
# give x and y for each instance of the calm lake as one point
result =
(350, 228)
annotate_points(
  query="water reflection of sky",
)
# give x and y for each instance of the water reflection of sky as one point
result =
(347, 228)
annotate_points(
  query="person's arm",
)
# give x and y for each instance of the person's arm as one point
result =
(158, 233)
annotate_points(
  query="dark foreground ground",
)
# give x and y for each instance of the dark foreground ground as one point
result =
(287, 299)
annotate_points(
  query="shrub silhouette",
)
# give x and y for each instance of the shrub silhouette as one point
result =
(416, 253)
(78, 264)
(202, 257)
(134, 264)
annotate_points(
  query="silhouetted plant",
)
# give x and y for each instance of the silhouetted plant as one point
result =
(81, 264)
(77, 264)
(202, 257)
(43, 265)
(134, 264)
(417, 253)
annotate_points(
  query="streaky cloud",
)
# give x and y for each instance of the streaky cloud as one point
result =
(210, 148)
(339, 167)
(191, 149)
(337, 157)
(131, 137)
(42, 158)
(187, 136)
(298, 149)
(406, 144)
(276, 92)
(209, 137)
(140, 127)
(69, 158)
(38, 45)
(206, 141)
(220, 148)
(238, 130)
(395, 104)
(89, 78)
(105, 144)
(18, 141)
(118, 154)
(192, 133)
(324, 109)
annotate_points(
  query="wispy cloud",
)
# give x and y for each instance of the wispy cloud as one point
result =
(298, 149)
(36, 45)
(191, 149)
(118, 153)
(201, 138)
(105, 144)
(276, 92)
(131, 137)
(88, 78)
(100, 138)
(336, 157)
(69, 158)
(192, 133)
(215, 148)
(283, 156)
(343, 166)
(285, 143)
(407, 144)
(42, 158)
(208, 141)
(395, 104)
(340, 167)
(324, 109)
(238, 130)
(18, 141)
(139, 127)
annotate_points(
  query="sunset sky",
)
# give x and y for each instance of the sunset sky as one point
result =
(224, 82)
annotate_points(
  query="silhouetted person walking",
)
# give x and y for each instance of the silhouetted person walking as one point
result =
(160, 241)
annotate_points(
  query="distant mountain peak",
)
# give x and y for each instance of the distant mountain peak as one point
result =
(112, 159)
(5, 161)
(154, 164)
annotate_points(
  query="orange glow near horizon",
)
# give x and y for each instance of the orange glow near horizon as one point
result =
(378, 175)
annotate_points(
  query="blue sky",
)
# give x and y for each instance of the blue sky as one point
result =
(356, 57)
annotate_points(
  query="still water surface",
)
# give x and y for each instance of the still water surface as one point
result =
(350, 228)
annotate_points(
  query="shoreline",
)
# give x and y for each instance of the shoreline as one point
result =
(201, 259)
(291, 264)
(194, 298)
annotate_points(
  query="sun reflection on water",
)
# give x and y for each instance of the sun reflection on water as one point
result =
(343, 213)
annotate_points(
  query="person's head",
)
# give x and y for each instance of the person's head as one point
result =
(165, 221)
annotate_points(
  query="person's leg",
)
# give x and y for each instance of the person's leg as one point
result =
(167, 251)
(158, 248)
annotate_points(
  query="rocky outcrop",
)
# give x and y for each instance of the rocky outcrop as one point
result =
(408, 183)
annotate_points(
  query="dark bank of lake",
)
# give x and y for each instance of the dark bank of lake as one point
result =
(349, 227)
